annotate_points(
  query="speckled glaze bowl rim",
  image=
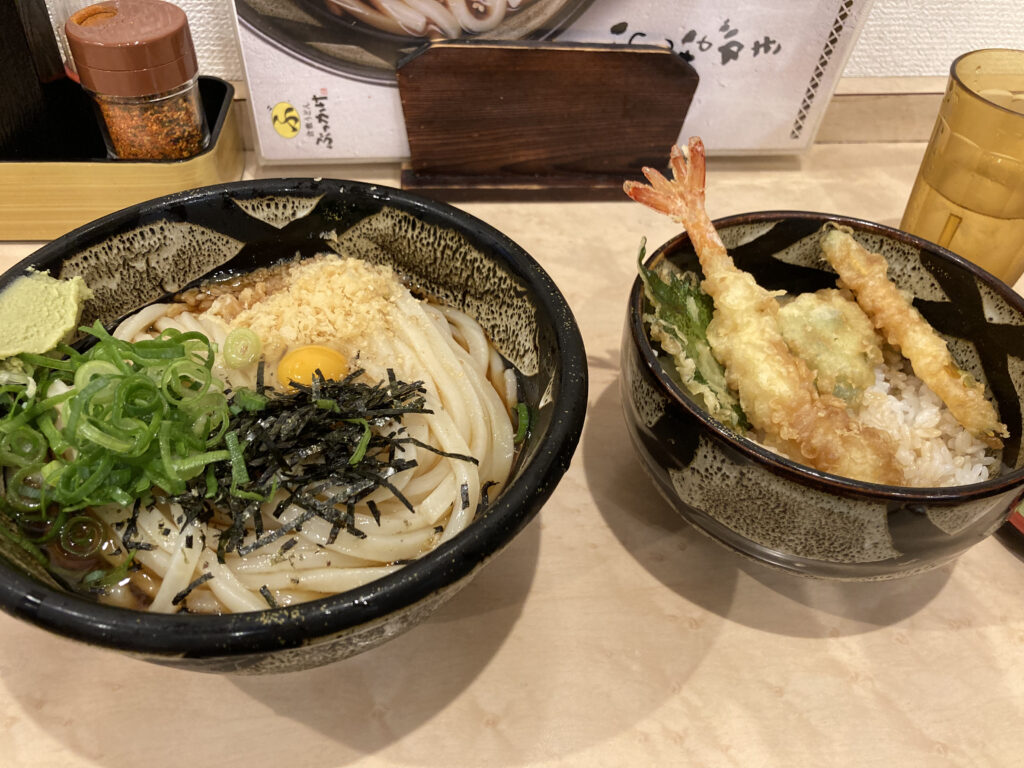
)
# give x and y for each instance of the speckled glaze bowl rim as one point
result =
(199, 636)
(774, 462)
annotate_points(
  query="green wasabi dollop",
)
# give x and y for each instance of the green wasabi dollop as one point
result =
(38, 311)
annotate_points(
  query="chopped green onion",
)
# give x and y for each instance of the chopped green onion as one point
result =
(25, 489)
(241, 348)
(33, 411)
(120, 496)
(22, 446)
(248, 400)
(52, 522)
(130, 417)
(199, 461)
(80, 479)
(110, 578)
(211, 481)
(364, 441)
(523, 422)
(104, 438)
(88, 371)
(48, 362)
(15, 376)
(58, 445)
(239, 474)
(81, 536)
(185, 380)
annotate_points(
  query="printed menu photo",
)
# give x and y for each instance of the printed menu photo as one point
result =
(322, 73)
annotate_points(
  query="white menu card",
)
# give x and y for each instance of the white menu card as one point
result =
(322, 84)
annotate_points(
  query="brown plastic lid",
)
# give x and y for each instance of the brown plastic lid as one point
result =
(131, 47)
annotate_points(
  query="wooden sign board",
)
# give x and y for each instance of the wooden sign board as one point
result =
(538, 121)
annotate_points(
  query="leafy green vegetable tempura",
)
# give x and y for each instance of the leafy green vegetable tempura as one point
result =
(679, 320)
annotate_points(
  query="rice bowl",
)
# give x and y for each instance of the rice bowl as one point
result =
(786, 514)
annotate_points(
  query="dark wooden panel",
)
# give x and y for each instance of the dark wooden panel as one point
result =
(535, 119)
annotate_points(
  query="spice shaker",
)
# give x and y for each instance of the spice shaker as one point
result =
(60, 12)
(136, 59)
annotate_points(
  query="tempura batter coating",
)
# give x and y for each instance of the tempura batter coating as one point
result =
(830, 331)
(776, 388)
(866, 275)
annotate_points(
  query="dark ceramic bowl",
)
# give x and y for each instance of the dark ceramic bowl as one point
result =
(785, 514)
(139, 255)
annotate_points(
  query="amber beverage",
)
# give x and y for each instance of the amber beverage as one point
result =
(969, 192)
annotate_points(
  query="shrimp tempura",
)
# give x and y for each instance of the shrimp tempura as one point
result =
(776, 388)
(866, 275)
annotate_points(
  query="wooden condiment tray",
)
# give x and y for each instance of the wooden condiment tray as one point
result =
(43, 199)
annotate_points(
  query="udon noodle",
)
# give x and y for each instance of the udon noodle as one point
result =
(364, 313)
(428, 18)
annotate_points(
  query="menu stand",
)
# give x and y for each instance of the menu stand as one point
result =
(490, 120)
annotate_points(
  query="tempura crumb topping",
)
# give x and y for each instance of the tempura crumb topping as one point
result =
(339, 302)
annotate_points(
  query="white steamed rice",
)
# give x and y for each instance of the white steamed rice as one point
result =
(933, 449)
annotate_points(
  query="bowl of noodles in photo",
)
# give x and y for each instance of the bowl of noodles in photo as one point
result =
(271, 424)
(821, 394)
(365, 39)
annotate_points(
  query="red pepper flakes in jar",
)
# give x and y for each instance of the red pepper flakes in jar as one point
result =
(137, 61)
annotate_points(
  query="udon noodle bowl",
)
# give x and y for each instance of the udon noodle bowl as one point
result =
(429, 18)
(311, 329)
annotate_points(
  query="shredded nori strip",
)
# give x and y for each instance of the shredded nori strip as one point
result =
(187, 590)
(484, 498)
(446, 454)
(265, 591)
(335, 530)
(311, 443)
(131, 529)
(271, 537)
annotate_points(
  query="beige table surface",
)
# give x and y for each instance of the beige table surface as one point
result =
(609, 633)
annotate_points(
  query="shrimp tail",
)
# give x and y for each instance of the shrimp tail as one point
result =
(682, 197)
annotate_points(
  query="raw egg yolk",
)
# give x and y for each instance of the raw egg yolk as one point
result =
(299, 364)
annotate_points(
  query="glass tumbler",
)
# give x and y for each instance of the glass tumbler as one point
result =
(969, 192)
